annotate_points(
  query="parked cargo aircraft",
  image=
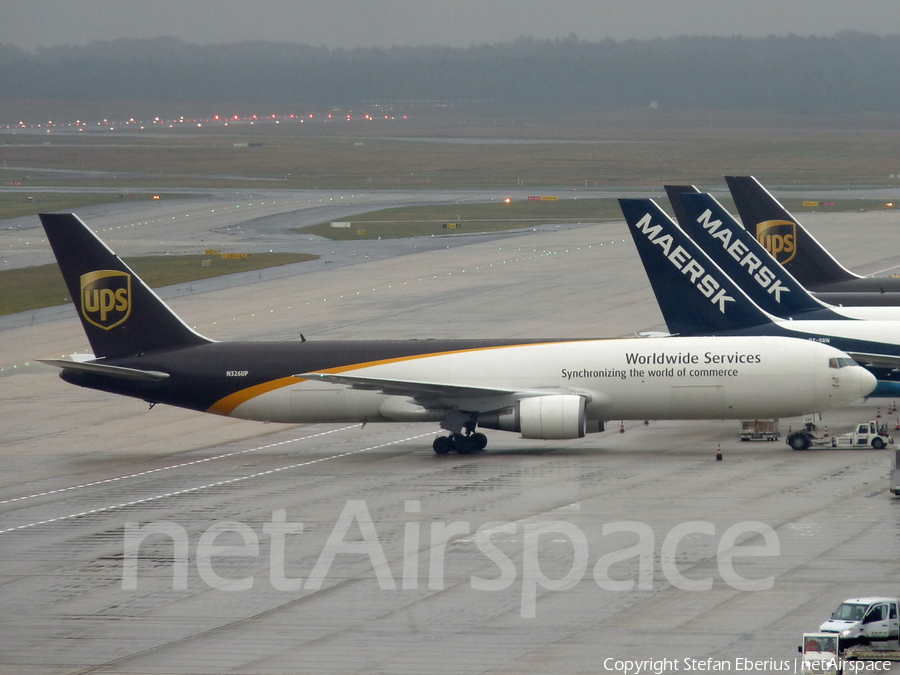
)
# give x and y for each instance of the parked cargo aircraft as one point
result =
(849, 298)
(697, 298)
(794, 247)
(543, 389)
(744, 259)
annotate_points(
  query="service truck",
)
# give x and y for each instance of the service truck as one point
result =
(863, 621)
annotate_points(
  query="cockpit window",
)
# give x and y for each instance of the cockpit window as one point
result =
(841, 362)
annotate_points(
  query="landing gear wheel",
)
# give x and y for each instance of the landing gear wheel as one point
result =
(442, 445)
(462, 444)
(478, 441)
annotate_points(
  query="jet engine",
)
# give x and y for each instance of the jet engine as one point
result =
(556, 416)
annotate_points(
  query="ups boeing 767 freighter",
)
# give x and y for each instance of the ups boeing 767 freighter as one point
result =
(542, 389)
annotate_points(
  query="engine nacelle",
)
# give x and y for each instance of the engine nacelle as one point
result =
(552, 417)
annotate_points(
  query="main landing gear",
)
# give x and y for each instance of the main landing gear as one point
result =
(464, 444)
(463, 438)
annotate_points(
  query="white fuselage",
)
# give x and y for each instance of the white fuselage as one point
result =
(665, 378)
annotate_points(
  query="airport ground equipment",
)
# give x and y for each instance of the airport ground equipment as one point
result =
(819, 654)
(823, 654)
(808, 437)
(865, 435)
(760, 430)
(862, 621)
(895, 473)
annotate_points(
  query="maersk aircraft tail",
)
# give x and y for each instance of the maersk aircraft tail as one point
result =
(793, 246)
(853, 297)
(745, 260)
(694, 295)
(541, 389)
(697, 298)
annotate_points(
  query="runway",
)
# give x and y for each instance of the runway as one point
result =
(543, 589)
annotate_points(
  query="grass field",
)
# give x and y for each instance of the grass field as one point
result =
(467, 146)
(16, 204)
(424, 221)
(42, 286)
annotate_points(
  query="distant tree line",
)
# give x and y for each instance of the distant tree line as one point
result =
(847, 72)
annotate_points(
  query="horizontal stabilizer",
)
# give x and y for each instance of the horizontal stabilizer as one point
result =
(109, 371)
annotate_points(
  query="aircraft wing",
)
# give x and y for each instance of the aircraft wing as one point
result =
(110, 371)
(875, 360)
(476, 399)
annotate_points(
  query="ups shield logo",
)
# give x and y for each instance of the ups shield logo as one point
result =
(106, 298)
(779, 237)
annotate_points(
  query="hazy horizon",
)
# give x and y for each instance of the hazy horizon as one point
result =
(32, 24)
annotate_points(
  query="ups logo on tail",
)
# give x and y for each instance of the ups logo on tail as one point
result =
(779, 237)
(106, 298)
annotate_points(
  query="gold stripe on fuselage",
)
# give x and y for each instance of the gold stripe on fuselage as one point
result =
(227, 405)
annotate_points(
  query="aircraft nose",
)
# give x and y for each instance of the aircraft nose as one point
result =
(865, 381)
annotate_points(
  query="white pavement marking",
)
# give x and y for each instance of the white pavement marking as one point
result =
(210, 485)
(172, 466)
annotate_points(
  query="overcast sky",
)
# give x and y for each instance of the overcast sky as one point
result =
(350, 23)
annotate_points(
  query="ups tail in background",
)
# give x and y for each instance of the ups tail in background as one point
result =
(793, 246)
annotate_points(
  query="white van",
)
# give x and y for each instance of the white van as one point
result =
(864, 620)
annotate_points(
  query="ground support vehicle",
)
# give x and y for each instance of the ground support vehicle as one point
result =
(819, 654)
(895, 473)
(807, 438)
(760, 430)
(881, 653)
(862, 621)
(866, 434)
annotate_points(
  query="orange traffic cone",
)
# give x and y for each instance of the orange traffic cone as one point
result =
(622, 427)
(826, 431)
